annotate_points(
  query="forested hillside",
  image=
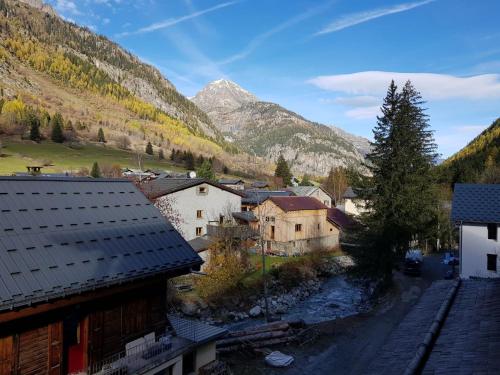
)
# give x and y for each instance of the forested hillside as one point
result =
(479, 161)
(51, 67)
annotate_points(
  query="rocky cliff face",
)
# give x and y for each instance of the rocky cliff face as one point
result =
(268, 130)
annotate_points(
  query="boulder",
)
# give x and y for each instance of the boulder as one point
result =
(189, 308)
(255, 311)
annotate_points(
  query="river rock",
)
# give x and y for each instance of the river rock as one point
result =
(189, 308)
(255, 311)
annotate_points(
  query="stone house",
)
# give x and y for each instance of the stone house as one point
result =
(313, 191)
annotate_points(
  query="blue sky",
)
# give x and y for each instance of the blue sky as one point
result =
(327, 60)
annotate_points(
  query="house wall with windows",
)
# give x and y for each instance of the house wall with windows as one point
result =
(196, 206)
(294, 232)
(479, 250)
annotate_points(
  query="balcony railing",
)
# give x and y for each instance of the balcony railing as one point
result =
(141, 357)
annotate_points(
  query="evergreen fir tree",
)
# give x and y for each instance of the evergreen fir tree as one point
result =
(189, 160)
(206, 171)
(34, 127)
(57, 134)
(283, 171)
(149, 149)
(399, 194)
(96, 171)
(172, 154)
(200, 160)
(100, 136)
(160, 154)
(305, 181)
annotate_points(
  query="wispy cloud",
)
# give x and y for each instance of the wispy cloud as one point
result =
(174, 21)
(353, 19)
(432, 86)
(261, 38)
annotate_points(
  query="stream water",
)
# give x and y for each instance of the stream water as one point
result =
(338, 297)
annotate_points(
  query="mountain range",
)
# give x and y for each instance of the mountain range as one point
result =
(268, 130)
(58, 66)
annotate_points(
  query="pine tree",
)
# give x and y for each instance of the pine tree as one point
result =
(34, 127)
(206, 171)
(189, 160)
(96, 171)
(283, 171)
(399, 195)
(57, 134)
(160, 154)
(100, 136)
(305, 181)
(149, 149)
(172, 155)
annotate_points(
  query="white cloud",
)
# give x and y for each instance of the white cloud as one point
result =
(432, 86)
(357, 101)
(259, 39)
(363, 113)
(174, 21)
(105, 21)
(66, 6)
(353, 19)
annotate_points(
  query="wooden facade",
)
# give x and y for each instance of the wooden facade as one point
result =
(70, 339)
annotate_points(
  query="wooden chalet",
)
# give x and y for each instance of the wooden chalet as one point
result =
(84, 265)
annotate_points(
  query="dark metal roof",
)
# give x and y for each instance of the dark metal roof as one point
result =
(349, 193)
(339, 218)
(61, 236)
(260, 184)
(194, 330)
(159, 187)
(297, 203)
(255, 197)
(230, 181)
(246, 216)
(476, 203)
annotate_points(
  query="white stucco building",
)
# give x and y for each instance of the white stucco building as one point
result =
(192, 203)
(351, 204)
(476, 212)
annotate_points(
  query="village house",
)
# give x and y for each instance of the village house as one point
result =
(254, 197)
(294, 225)
(234, 184)
(313, 191)
(476, 212)
(351, 204)
(84, 266)
(193, 203)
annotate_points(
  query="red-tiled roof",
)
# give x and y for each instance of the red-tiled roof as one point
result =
(339, 218)
(297, 203)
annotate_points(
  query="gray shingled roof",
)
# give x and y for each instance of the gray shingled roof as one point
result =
(349, 193)
(194, 330)
(230, 181)
(258, 196)
(159, 187)
(68, 235)
(476, 203)
(302, 191)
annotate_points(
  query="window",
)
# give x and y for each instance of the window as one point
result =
(298, 227)
(492, 262)
(202, 190)
(199, 230)
(319, 226)
(199, 214)
(492, 231)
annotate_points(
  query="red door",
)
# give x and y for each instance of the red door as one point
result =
(77, 347)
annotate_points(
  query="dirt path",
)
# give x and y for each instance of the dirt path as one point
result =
(349, 345)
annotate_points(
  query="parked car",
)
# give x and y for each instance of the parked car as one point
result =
(449, 258)
(413, 262)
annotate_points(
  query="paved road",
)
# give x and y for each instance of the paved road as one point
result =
(349, 346)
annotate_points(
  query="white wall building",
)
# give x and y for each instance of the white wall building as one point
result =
(476, 211)
(351, 204)
(191, 204)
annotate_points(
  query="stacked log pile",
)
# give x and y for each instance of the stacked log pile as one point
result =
(259, 337)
